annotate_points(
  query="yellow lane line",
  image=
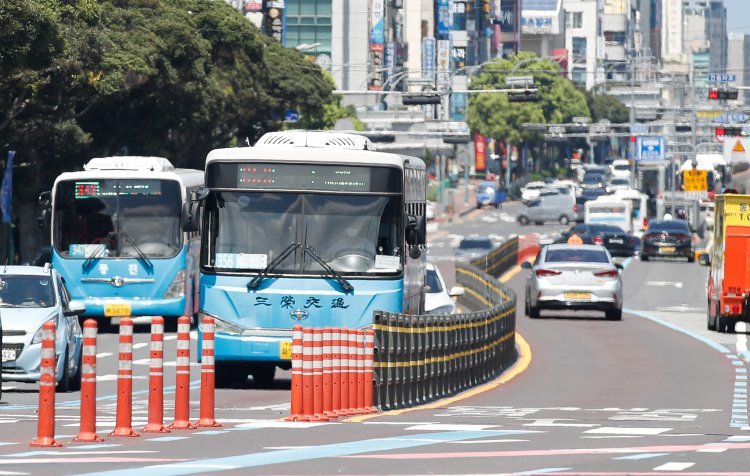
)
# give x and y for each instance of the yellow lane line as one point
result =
(522, 363)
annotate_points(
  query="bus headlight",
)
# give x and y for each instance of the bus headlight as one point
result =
(176, 288)
(220, 325)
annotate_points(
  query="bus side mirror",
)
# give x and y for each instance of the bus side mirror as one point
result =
(416, 234)
(44, 220)
(191, 216)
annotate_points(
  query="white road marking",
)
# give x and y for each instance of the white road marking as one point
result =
(259, 424)
(555, 422)
(664, 283)
(140, 345)
(111, 377)
(11, 473)
(447, 427)
(104, 354)
(674, 466)
(608, 430)
(711, 450)
(472, 442)
(8, 421)
(170, 337)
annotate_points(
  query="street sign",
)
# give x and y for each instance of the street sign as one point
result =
(695, 180)
(650, 148)
(736, 149)
(700, 195)
(722, 78)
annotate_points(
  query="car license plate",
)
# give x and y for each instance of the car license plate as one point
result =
(117, 309)
(616, 240)
(578, 296)
(9, 354)
(285, 350)
(666, 249)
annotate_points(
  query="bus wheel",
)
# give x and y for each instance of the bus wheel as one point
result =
(263, 375)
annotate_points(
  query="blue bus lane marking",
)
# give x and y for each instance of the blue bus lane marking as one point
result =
(252, 460)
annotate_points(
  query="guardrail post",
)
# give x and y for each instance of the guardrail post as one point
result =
(208, 377)
(393, 363)
(308, 393)
(156, 379)
(380, 371)
(327, 374)
(369, 375)
(125, 381)
(296, 402)
(182, 379)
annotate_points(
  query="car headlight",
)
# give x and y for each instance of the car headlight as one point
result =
(37, 339)
(220, 325)
(447, 309)
(177, 286)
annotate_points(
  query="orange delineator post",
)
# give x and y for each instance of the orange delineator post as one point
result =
(318, 376)
(45, 434)
(182, 379)
(87, 431)
(327, 375)
(124, 418)
(336, 371)
(345, 407)
(156, 379)
(352, 409)
(361, 371)
(208, 376)
(307, 374)
(296, 374)
(369, 374)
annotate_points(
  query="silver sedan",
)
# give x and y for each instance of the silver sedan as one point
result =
(574, 277)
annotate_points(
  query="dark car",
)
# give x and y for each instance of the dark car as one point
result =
(594, 179)
(667, 238)
(617, 242)
(580, 209)
(474, 246)
(592, 193)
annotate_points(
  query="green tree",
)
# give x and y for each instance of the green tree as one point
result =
(604, 106)
(492, 115)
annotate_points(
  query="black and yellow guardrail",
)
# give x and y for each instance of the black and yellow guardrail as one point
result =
(499, 260)
(418, 359)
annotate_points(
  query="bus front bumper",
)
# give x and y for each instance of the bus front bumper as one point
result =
(249, 347)
(117, 307)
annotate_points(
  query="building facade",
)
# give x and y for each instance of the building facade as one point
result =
(583, 41)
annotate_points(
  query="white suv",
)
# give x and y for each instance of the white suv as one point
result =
(620, 168)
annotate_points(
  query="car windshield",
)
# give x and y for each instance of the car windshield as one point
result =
(593, 178)
(620, 181)
(605, 229)
(622, 167)
(433, 282)
(471, 243)
(26, 291)
(576, 255)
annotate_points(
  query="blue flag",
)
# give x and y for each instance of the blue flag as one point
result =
(6, 189)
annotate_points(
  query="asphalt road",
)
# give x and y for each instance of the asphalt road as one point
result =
(654, 393)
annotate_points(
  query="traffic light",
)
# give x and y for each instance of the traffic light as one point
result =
(523, 95)
(722, 94)
(420, 99)
(730, 131)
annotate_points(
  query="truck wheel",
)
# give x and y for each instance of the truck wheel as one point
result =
(721, 324)
(711, 326)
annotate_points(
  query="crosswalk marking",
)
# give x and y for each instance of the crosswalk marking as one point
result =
(608, 430)
(673, 466)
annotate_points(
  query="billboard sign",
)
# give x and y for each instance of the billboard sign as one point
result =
(377, 27)
(444, 21)
(429, 64)
(650, 148)
(736, 149)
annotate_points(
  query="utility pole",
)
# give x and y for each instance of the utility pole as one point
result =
(632, 120)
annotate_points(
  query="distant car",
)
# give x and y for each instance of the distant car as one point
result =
(489, 193)
(551, 205)
(438, 300)
(617, 242)
(667, 238)
(30, 296)
(474, 246)
(594, 179)
(620, 168)
(579, 277)
(531, 190)
(618, 183)
(592, 193)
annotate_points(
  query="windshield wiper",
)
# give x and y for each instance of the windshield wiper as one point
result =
(141, 255)
(95, 255)
(345, 285)
(255, 282)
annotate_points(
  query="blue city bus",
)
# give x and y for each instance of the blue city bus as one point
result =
(311, 228)
(118, 238)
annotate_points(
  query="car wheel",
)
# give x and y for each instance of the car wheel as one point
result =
(63, 386)
(523, 220)
(533, 312)
(691, 259)
(613, 314)
(644, 257)
(75, 381)
(263, 375)
(564, 220)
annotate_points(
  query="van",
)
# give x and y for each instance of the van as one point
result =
(608, 210)
(551, 205)
(640, 208)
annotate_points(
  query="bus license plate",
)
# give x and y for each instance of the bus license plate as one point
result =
(285, 350)
(9, 354)
(578, 296)
(666, 249)
(117, 310)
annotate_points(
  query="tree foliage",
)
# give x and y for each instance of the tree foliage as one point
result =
(174, 78)
(492, 115)
(604, 106)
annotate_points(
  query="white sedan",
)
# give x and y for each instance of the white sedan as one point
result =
(574, 277)
(438, 300)
(531, 190)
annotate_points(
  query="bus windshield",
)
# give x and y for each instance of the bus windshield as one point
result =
(117, 218)
(247, 231)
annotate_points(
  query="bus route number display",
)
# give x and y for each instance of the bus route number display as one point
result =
(114, 187)
(304, 177)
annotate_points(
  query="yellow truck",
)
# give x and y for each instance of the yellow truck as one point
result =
(729, 278)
